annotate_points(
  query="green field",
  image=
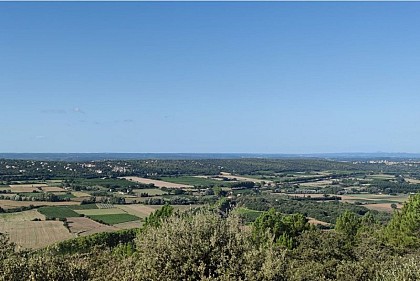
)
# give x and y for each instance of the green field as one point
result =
(94, 212)
(84, 207)
(247, 214)
(54, 182)
(31, 194)
(114, 218)
(58, 212)
(65, 195)
(194, 181)
(381, 176)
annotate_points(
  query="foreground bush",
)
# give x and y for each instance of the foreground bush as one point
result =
(205, 247)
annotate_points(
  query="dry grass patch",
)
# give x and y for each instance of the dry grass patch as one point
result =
(374, 197)
(138, 210)
(20, 188)
(157, 183)
(52, 189)
(315, 222)
(383, 207)
(129, 225)
(11, 204)
(412, 181)
(35, 234)
(34, 185)
(316, 183)
(80, 194)
(239, 178)
(85, 226)
(24, 188)
(21, 216)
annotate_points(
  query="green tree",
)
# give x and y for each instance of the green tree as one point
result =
(348, 224)
(403, 230)
(283, 229)
(155, 218)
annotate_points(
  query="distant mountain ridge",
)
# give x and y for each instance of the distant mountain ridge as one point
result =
(192, 156)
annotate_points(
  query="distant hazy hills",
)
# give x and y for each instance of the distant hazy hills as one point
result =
(186, 156)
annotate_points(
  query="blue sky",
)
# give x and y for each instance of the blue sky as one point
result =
(210, 77)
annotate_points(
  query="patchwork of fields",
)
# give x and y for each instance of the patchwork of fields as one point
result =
(70, 217)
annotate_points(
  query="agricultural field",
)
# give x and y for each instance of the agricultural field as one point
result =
(158, 183)
(27, 233)
(129, 224)
(52, 189)
(12, 204)
(414, 181)
(93, 212)
(28, 185)
(21, 216)
(84, 207)
(58, 212)
(379, 198)
(80, 194)
(195, 181)
(122, 203)
(321, 183)
(247, 214)
(242, 178)
(82, 226)
(383, 207)
(139, 210)
(114, 218)
(21, 188)
(35, 234)
(381, 176)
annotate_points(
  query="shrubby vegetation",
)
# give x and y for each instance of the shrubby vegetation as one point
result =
(208, 245)
(324, 211)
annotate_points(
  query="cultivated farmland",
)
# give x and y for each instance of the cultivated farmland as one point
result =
(138, 210)
(32, 234)
(194, 181)
(158, 183)
(58, 212)
(241, 178)
(114, 218)
(82, 226)
(93, 212)
(11, 204)
(52, 189)
(35, 234)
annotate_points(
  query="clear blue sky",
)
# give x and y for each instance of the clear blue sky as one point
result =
(210, 77)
